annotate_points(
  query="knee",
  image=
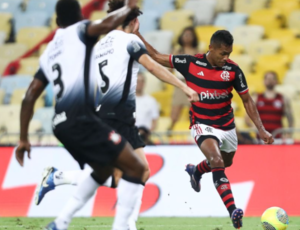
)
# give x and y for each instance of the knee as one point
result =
(216, 161)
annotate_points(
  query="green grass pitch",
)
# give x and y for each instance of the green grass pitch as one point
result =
(143, 223)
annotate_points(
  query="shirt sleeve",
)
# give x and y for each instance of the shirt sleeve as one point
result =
(136, 48)
(41, 76)
(180, 63)
(240, 83)
(83, 34)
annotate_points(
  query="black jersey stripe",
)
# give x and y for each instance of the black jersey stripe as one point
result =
(208, 84)
(127, 82)
(212, 112)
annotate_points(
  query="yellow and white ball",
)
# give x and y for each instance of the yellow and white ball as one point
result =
(275, 219)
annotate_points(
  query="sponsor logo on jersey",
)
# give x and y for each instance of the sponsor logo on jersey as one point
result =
(225, 67)
(201, 63)
(209, 130)
(241, 80)
(114, 137)
(213, 96)
(178, 60)
(200, 73)
(223, 179)
(216, 184)
(225, 76)
(59, 118)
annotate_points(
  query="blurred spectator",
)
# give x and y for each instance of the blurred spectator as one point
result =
(147, 110)
(272, 106)
(188, 44)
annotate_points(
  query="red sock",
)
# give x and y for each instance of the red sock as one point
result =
(202, 168)
(224, 189)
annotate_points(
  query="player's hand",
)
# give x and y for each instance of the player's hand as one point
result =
(266, 136)
(192, 95)
(136, 27)
(131, 3)
(24, 146)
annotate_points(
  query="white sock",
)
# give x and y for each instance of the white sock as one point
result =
(75, 177)
(83, 193)
(128, 194)
(135, 215)
(68, 177)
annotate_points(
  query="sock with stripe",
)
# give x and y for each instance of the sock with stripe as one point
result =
(203, 167)
(223, 187)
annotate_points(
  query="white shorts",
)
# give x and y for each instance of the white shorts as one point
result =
(227, 139)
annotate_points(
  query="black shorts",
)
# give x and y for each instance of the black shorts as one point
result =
(130, 132)
(90, 142)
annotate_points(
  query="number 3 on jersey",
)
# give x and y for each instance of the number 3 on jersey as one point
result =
(105, 79)
(58, 80)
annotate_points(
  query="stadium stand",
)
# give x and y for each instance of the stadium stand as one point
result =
(248, 6)
(270, 19)
(204, 33)
(12, 51)
(10, 83)
(244, 61)
(204, 10)
(31, 19)
(149, 21)
(294, 20)
(230, 20)
(176, 21)
(5, 25)
(266, 33)
(31, 36)
(28, 66)
(263, 47)
(10, 6)
(161, 40)
(159, 6)
(244, 35)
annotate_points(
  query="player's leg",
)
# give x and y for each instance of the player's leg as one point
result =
(204, 166)
(134, 217)
(84, 191)
(129, 188)
(210, 148)
(227, 158)
(53, 177)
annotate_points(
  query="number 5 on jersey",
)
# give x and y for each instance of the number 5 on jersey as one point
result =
(105, 79)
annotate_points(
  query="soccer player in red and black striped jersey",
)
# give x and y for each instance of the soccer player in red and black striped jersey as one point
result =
(213, 75)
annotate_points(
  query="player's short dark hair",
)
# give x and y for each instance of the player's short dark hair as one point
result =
(273, 73)
(68, 12)
(195, 40)
(222, 37)
(117, 4)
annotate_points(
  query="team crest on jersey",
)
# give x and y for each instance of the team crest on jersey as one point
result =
(115, 138)
(278, 104)
(225, 76)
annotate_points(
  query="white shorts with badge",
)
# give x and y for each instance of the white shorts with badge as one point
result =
(227, 139)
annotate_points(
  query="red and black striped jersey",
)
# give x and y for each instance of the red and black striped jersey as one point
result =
(271, 111)
(214, 85)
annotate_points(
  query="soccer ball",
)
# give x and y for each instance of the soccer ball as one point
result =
(274, 219)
